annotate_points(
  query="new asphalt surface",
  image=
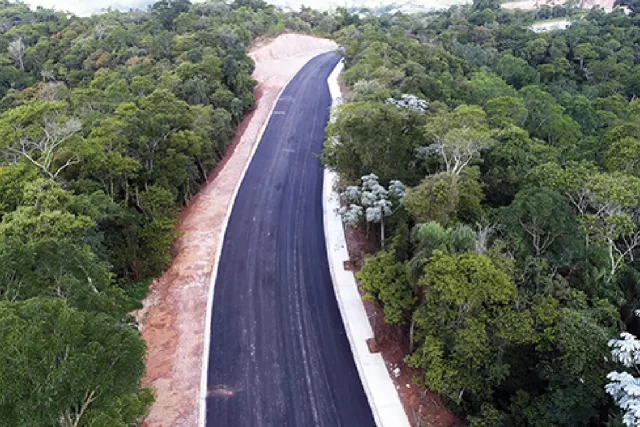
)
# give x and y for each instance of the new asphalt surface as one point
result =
(279, 355)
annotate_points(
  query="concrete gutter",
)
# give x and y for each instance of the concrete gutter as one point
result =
(381, 392)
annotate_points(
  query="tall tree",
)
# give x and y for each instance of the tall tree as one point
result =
(357, 146)
(458, 137)
(167, 11)
(466, 324)
(17, 50)
(540, 217)
(38, 132)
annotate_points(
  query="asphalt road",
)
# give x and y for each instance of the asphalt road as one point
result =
(279, 355)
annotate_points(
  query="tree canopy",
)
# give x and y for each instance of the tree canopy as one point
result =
(515, 248)
(108, 125)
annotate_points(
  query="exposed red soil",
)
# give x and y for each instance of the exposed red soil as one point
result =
(423, 407)
(173, 315)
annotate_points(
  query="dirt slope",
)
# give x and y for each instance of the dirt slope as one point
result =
(173, 317)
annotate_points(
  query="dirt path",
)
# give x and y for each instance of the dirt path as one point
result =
(173, 317)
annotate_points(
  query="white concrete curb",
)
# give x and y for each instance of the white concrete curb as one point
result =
(381, 392)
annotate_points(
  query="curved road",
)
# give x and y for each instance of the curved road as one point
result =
(279, 355)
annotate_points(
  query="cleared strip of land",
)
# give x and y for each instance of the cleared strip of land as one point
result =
(173, 317)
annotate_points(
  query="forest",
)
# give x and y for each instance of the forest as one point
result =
(108, 124)
(498, 170)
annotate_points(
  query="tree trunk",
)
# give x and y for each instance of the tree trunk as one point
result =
(411, 329)
(138, 197)
(69, 419)
(202, 170)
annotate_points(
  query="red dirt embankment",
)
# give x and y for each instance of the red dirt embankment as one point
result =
(173, 317)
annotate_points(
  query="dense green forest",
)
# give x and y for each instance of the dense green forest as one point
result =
(107, 125)
(511, 258)
(497, 169)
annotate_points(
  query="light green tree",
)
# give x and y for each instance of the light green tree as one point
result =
(38, 132)
(466, 324)
(605, 202)
(457, 137)
(386, 281)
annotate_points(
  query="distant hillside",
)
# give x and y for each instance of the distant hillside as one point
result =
(95, 6)
(89, 7)
(535, 4)
(404, 5)
(390, 6)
